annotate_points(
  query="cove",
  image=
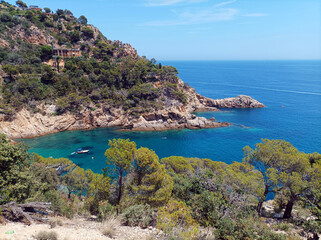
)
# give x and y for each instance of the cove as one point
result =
(291, 90)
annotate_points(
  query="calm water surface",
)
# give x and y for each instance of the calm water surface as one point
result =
(291, 90)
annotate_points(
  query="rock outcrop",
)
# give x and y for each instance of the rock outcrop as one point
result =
(176, 116)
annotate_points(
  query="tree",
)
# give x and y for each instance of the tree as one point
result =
(98, 185)
(120, 155)
(60, 12)
(21, 4)
(179, 165)
(75, 181)
(245, 180)
(5, 18)
(74, 36)
(48, 75)
(152, 183)
(283, 168)
(82, 20)
(47, 10)
(10, 69)
(87, 32)
(45, 52)
(313, 195)
(14, 165)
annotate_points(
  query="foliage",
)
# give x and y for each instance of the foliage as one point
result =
(82, 20)
(75, 181)
(74, 36)
(46, 52)
(107, 73)
(21, 4)
(138, 215)
(179, 165)
(151, 184)
(14, 171)
(87, 32)
(120, 155)
(244, 228)
(283, 167)
(47, 10)
(176, 216)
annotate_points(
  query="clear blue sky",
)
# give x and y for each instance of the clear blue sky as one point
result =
(206, 29)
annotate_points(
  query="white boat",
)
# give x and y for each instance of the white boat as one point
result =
(81, 151)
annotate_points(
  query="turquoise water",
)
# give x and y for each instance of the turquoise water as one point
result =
(291, 90)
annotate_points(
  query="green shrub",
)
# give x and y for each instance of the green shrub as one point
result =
(282, 226)
(176, 221)
(138, 215)
(105, 209)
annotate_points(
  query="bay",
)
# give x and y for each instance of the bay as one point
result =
(291, 91)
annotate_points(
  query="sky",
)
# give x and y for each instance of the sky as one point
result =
(206, 29)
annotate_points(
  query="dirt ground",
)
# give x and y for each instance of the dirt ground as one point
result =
(77, 229)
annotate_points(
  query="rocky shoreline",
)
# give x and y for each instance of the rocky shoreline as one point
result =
(176, 116)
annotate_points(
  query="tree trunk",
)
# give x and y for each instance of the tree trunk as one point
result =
(288, 209)
(260, 204)
(120, 182)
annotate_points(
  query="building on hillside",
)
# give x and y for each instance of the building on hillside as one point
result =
(64, 52)
(34, 7)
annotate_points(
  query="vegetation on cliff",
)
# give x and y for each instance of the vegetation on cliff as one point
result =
(58, 59)
(181, 196)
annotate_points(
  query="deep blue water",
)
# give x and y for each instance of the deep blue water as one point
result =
(291, 91)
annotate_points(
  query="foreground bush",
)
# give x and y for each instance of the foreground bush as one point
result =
(138, 215)
(176, 221)
(44, 235)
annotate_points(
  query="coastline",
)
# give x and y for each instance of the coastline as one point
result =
(177, 116)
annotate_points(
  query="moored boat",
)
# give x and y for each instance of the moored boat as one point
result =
(81, 151)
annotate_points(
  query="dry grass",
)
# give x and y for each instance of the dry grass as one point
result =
(54, 222)
(109, 226)
(44, 235)
(149, 237)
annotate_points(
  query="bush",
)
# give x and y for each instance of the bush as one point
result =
(104, 211)
(176, 221)
(55, 222)
(43, 235)
(282, 226)
(138, 215)
(244, 228)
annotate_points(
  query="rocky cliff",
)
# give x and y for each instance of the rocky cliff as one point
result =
(177, 116)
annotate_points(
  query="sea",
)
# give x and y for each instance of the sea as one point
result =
(291, 91)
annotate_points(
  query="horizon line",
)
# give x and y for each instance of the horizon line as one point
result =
(239, 60)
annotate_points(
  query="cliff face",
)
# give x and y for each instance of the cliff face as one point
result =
(177, 116)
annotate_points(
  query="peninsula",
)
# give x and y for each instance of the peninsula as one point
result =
(59, 73)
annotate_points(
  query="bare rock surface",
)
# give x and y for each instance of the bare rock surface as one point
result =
(175, 116)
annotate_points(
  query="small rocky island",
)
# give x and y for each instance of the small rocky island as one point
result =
(59, 73)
